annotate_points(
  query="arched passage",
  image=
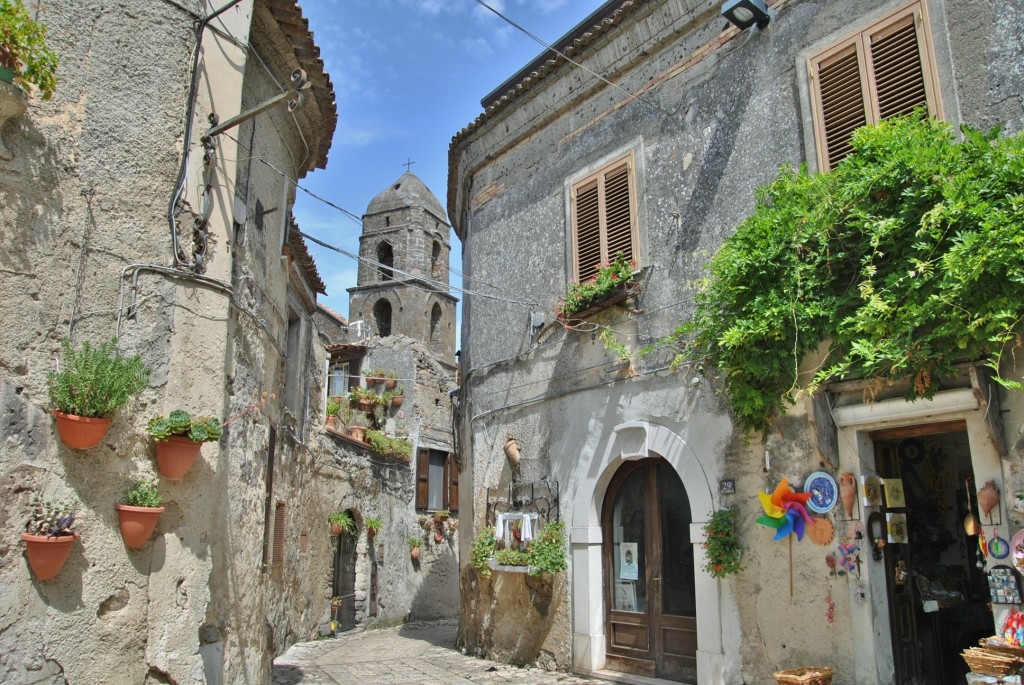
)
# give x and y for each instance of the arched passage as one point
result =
(382, 317)
(386, 258)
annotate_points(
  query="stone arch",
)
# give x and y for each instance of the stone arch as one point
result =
(639, 440)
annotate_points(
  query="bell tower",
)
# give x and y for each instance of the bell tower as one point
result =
(402, 285)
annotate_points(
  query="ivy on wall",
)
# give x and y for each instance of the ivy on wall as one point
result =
(906, 259)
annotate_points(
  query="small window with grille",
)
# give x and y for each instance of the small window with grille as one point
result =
(884, 70)
(604, 221)
(277, 557)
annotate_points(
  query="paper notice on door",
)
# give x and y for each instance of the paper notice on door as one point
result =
(628, 566)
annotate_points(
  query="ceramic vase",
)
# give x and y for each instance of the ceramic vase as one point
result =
(988, 497)
(848, 491)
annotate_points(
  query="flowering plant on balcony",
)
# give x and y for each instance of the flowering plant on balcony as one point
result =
(610, 277)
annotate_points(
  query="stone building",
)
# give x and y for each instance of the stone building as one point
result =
(404, 327)
(659, 158)
(125, 214)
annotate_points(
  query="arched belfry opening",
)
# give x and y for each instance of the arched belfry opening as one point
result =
(382, 317)
(435, 324)
(386, 260)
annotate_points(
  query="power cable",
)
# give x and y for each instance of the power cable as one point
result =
(571, 60)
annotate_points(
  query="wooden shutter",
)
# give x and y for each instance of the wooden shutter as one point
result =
(279, 517)
(604, 217)
(422, 478)
(883, 71)
(897, 69)
(453, 483)
(618, 211)
(841, 100)
(587, 226)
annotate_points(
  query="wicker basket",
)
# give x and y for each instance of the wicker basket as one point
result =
(815, 675)
(990, 662)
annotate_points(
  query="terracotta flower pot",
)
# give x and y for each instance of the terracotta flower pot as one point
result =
(371, 533)
(390, 383)
(335, 530)
(46, 556)
(397, 400)
(80, 432)
(438, 537)
(415, 552)
(330, 421)
(357, 433)
(137, 523)
(175, 456)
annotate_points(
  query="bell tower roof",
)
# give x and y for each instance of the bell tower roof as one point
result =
(407, 191)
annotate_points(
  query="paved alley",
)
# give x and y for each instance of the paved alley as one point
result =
(412, 654)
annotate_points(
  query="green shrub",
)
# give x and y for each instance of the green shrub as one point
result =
(96, 381)
(482, 549)
(382, 444)
(23, 48)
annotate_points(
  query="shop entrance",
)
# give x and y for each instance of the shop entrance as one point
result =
(937, 593)
(651, 623)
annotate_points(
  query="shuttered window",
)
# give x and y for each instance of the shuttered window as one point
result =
(883, 71)
(604, 217)
(279, 516)
(437, 481)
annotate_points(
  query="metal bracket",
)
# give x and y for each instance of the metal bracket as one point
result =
(293, 96)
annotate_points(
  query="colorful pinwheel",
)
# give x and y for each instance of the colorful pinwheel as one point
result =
(785, 510)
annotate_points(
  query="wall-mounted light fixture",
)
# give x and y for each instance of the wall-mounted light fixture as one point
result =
(746, 13)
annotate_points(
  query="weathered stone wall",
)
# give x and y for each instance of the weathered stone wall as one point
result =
(713, 123)
(84, 195)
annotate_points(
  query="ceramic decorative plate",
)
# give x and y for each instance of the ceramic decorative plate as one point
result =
(998, 547)
(824, 492)
(1017, 550)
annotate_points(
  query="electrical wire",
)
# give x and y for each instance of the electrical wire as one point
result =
(571, 60)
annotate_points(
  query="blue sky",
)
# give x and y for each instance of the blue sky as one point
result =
(408, 75)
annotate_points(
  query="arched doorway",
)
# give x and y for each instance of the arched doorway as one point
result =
(649, 577)
(344, 581)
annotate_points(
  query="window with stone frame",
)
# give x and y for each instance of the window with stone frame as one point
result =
(604, 217)
(884, 70)
(437, 481)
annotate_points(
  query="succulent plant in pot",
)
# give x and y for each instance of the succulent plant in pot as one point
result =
(179, 438)
(89, 387)
(49, 535)
(331, 410)
(24, 56)
(140, 512)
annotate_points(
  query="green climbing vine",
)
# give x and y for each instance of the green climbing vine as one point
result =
(906, 259)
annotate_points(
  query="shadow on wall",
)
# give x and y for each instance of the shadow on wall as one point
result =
(496, 609)
(438, 593)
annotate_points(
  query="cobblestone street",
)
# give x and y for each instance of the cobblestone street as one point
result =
(412, 654)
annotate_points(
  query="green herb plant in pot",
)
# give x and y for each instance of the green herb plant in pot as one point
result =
(179, 438)
(341, 522)
(141, 511)
(89, 387)
(24, 56)
(49, 535)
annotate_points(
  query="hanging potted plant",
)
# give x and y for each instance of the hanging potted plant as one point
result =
(390, 380)
(341, 522)
(179, 439)
(92, 384)
(415, 542)
(48, 537)
(396, 397)
(332, 409)
(362, 399)
(722, 544)
(24, 56)
(372, 525)
(140, 512)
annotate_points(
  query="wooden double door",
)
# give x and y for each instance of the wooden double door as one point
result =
(651, 622)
